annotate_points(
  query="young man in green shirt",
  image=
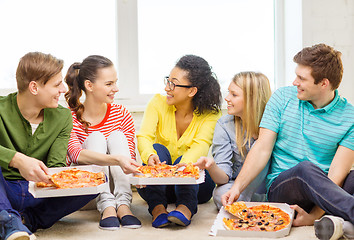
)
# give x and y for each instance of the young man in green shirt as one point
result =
(34, 134)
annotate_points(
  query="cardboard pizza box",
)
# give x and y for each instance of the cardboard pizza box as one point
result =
(39, 192)
(218, 228)
(168, 181)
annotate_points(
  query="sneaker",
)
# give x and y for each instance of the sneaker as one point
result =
(12, 227)
(130, 221)
(329, 228)
(110, 223)
(25, 221)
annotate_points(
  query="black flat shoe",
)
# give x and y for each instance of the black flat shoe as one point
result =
(130, 221)
(110, 223)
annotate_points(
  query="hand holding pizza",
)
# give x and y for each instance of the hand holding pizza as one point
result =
(153, 160)
(230, 196)
(204, 163)
(30, 168)
(128, 165)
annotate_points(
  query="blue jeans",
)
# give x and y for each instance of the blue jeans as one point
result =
(307, 185)
(188, 195)
(37, 212)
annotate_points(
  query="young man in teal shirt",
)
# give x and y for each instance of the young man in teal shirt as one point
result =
(34, 134)
(307, 131)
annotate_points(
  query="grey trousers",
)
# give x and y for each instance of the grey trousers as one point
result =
(116, 143)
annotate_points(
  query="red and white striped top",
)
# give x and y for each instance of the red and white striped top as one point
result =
(117, 118)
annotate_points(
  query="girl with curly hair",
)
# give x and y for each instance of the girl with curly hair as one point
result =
(178, 128)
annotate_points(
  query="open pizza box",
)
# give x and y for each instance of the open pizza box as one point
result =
(168, 181)
(40, 192)
(218, 228)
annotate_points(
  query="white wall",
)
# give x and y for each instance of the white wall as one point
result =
(323, 21)
(332, 22)
(288, 39)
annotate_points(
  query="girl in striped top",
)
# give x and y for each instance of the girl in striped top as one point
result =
(103, 134)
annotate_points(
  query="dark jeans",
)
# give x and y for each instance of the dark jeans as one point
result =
(188, 195)
(307, 185)
(37, 212)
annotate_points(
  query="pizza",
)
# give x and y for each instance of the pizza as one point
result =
(163, 170)
(262, 217)
(74, 178)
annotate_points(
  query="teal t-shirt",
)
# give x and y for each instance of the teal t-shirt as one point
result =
(305, 133)
(49, 142)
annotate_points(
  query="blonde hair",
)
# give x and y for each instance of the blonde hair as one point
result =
(256, 93)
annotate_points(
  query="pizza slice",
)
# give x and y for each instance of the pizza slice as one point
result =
(238, 209)
(191, 171)
(43, 184)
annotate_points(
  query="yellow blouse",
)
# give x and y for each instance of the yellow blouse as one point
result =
(159, 126)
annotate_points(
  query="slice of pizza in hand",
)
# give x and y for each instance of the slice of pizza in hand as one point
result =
(191, 171)
(238, 209)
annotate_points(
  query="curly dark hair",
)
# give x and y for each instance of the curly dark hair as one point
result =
(208, 96)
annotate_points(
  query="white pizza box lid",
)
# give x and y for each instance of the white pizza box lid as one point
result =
(168, 181)
(218, 228)
(39, 192)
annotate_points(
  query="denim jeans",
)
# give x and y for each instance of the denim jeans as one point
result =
(37, 212)
(188, 195)
(307, 185)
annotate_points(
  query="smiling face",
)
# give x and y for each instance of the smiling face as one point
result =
(105, 86)
(179, 95)
(307, 90)
(235, 100)
(49, 93)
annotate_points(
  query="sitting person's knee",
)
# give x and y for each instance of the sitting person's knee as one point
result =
(305, 167)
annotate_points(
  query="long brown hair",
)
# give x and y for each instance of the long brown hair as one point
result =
(256, 93)
(75, 78)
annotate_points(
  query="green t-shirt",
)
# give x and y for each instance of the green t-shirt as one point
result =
(48, 143)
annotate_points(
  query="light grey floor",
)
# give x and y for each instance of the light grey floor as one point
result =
(84, 225)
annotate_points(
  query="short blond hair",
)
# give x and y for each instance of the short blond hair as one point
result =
(256, 93)
(36, 66)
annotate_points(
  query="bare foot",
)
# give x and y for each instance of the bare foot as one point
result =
(109, 212)
(159, 209)
(184, 210)
(123, 210)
